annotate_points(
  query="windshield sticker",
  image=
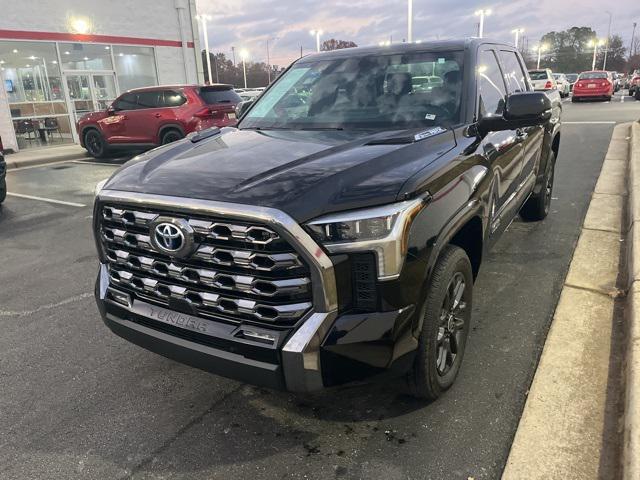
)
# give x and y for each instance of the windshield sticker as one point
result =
(430, 116)
(441, 60)
(428, 133)
(275, 93)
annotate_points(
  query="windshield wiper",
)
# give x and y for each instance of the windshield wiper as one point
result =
(322, 128)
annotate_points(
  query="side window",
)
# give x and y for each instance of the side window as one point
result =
(491, 91)
(126, 102)
(514, 75)
(149, 99)
(172, 99)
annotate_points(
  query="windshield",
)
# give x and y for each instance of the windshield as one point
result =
(373, 92)
(572, 77)
(592, 75)
(538, 75)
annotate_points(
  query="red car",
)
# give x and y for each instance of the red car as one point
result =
(594, 84)
(634, 83)
(147, 117)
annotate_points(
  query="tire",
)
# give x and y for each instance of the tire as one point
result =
(575, 99)
(636, 95)
(170, 136)
(536, 208)
(445, 325)
(3, 190)
(95, 144)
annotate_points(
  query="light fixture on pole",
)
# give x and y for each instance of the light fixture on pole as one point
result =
(606, 48)
(244, 55)
(482, 13)
(541, 48)
(385, 43)
(269, 59)
(203, 19)
(595, 43)
(517, 32)
(409, 21)
(317, 34)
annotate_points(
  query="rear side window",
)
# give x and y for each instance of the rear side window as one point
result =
(514, 74)
(149, 99)
(491, 89)
(211, 95)
(172, 99)
(592, 75)
(126, 102)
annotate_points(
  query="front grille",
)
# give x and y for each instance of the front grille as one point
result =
(238, 272)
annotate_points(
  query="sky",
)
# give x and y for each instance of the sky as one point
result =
(248, 24)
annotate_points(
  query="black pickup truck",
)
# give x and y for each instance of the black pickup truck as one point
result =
(334, 235)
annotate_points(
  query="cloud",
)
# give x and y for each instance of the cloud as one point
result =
(286, 23)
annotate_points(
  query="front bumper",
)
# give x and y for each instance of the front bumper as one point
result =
(325, 350)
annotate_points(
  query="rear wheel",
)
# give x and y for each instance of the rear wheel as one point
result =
(170, 136)
(446, 315)
(574, 99)
(537, 207)
(3, 190)
(95, 144)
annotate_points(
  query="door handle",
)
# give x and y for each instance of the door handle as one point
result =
(521, 135)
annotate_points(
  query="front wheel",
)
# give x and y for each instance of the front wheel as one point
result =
(171, 136)
(3, 190)
(537, 207)
(446, 315)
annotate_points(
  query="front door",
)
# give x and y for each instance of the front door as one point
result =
(503, 150)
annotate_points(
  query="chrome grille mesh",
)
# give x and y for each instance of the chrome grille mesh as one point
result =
(237, 271)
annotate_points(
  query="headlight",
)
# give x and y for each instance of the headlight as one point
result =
(99, 186)
(383, 230)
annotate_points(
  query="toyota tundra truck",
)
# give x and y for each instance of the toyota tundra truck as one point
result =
(334, 235)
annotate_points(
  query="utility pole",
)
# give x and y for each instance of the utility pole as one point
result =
(410, 21)
(233, 53)
(268, 65)
(633, 34)
(606, 48)
(203, 19)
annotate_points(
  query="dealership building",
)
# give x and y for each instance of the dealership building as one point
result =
(61, 59)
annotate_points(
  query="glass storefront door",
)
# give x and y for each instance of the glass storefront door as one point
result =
(90, 92)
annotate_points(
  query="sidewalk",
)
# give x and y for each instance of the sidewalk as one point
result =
(571, 424)
(42, 156)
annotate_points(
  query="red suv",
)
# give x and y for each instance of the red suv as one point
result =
(147, 117)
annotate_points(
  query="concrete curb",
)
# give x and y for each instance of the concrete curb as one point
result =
(631, 441)
(44, 157)
(565, 430)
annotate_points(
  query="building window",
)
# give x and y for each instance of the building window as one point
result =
(135, 67)
(85, 56)
(33, 82)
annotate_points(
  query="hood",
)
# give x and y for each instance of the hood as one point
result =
(303, 173)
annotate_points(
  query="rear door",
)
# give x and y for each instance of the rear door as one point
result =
(142, 123)
(501, 149)
(530, 137)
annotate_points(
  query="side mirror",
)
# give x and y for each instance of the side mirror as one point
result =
(526, 109)
(242, 107)
(110, 110)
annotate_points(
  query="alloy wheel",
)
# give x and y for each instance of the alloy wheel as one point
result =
(451, 325)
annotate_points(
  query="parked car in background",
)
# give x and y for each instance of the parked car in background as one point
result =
(426, 83)
(249, 94)
(563, 84)
(3, 180)
(593, 84)
(147, 117)
(572, 78)
(543, 79)
(634, 82)
(615, 76)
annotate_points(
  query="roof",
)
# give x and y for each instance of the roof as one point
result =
(177, 86)
(400, 48)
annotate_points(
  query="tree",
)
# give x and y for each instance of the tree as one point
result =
(568, 50)
(333, 44)
(616, 58)
(224, 71)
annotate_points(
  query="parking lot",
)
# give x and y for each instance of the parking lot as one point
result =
(79, 402)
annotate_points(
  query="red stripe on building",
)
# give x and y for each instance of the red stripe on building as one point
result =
(74, 37)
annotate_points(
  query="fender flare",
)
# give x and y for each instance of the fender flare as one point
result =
(169, 126)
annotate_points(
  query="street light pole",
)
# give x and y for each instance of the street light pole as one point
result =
(539, 56)
(410, 21)
(606, 48)
(517, 32)
(482, 14)
(633, 34)
(595, 43)
(243, 55)
(268, 65)
(203, 19)
(317, 33)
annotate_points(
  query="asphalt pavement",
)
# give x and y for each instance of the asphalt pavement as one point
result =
(78, 402)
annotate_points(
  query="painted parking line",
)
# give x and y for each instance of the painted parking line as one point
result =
(47, 200)
(606, 122)
(9, 170)
(85, 162)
